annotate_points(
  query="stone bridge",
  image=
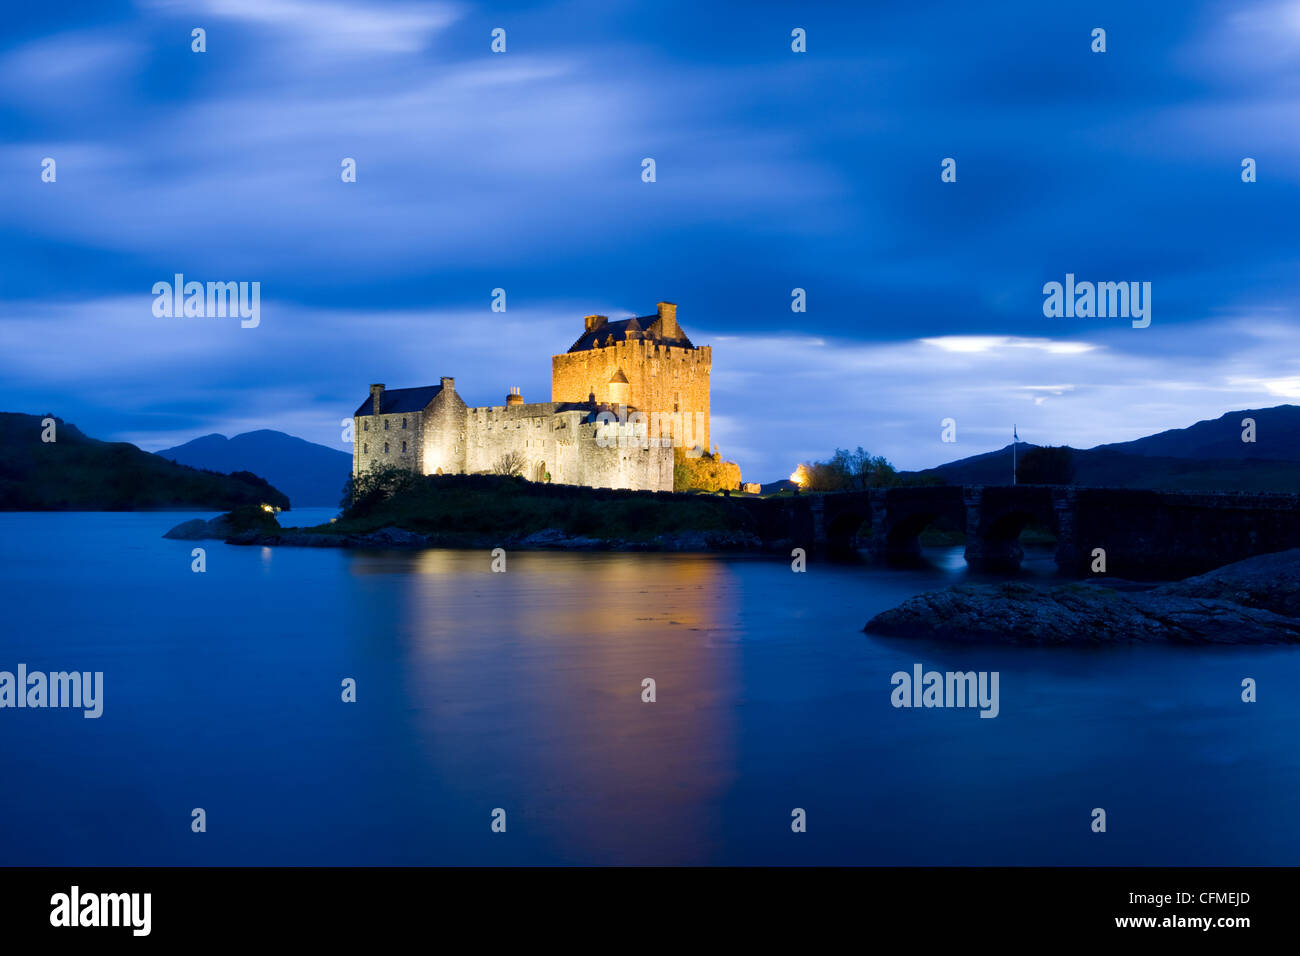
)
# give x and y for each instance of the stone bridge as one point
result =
(1145, 534)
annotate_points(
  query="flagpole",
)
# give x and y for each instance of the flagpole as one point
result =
(1014, 438)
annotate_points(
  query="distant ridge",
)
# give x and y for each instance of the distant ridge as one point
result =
(311, 475)
(78, 473)
(1277, 437)
(1207, 456)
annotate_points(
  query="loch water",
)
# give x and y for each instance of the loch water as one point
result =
(523, 691)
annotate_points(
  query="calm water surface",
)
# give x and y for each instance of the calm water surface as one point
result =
(523, 691)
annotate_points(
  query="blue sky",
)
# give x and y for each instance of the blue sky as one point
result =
(775, 170)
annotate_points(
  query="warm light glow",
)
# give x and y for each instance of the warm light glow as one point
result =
(268, 508)
(800, 476)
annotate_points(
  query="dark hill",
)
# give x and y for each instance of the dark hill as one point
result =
(1207, 456)
(310, 474)
(78, 473)
(1277, 438)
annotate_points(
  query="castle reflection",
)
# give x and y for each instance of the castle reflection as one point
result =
(532, 682)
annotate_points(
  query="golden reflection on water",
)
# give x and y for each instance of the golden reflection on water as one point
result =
(535, 677)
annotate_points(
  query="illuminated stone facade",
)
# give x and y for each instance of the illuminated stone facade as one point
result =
(616, 384)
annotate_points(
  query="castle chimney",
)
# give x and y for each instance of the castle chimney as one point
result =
(595, 321)
(668, 327)
(376, 396)
(514, 398)
(448, 384)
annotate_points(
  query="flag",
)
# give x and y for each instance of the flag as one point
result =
(1014, 435)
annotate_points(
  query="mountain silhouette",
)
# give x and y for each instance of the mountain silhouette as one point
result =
(311, 475)
(59, 468)
(1207, 456)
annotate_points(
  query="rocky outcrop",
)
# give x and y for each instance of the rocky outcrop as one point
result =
(1256, 601)
(554, 538)
(1270, 582)
(199, 530)
(397, 538)
(246, 519)
(381, 540)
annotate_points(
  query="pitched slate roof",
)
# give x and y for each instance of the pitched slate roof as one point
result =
(401, 400)
(623, 330)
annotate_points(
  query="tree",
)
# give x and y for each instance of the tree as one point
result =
(511, 463)
(375, 484)
(850, 471)
(1046, 466)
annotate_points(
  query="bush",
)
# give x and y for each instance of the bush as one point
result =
(251, 518)
(705, 473)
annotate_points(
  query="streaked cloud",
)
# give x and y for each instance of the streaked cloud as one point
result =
(522, 171)
(340, 27)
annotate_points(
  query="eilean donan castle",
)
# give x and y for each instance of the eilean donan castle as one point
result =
(622, 397)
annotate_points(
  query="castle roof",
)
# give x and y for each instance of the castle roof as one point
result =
(618, 378)
(401, 400)
(607, 333)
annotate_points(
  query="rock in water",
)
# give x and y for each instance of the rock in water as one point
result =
(200, 530)
(245, 518)
(1270, 582)
(1089, 614)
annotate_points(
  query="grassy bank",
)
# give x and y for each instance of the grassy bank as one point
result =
(450, 506)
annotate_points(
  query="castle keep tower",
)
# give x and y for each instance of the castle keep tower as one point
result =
(646, 363)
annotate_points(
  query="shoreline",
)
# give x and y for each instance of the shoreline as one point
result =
(550, 539)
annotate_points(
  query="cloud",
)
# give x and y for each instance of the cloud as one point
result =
(331, 25)
(775, 171)
(976, 344)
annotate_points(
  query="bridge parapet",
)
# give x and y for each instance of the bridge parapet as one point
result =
(1144, 533)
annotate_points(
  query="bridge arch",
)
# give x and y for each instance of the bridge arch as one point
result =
(995, 518)
(843, 530)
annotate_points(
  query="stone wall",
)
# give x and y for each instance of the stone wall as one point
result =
(661, 378)
(386, 440)
(445, 445)
(567, 447)
(621, 455)
(530, 429)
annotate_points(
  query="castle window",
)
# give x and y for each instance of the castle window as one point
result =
(365, 448)
(385, 424)
(385, 448)
(403, 448)
(403, 422)
(365, 424)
